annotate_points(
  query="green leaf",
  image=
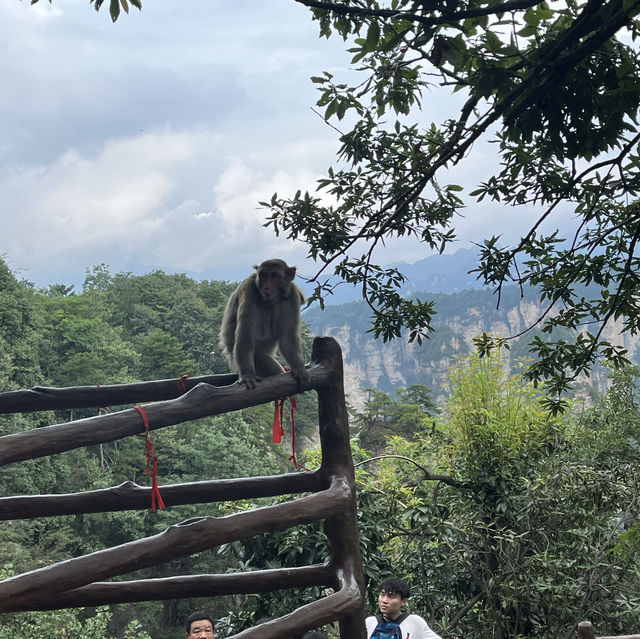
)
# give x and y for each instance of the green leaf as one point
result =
(114, 9)
(373, 36)
(528, 31)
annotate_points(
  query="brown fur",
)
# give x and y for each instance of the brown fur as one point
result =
(262, 315)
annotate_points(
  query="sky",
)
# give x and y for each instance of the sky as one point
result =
(149, 143)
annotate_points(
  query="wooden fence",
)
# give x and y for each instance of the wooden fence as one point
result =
(585, 631)
(331, 497)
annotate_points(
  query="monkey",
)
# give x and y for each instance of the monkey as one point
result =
(263, 314)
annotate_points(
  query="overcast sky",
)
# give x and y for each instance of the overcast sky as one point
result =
(148, 143)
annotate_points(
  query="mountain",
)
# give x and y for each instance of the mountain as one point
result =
(460, 317)
(436, 273)
(441, 273)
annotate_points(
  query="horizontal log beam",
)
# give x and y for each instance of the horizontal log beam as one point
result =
(184, 586)
(129, 495)
(51, 398)
(202, 401)
(343, 603)
(585, 631)
(182, 539)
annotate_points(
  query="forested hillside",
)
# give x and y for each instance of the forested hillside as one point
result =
(507, 521)
(124, 328)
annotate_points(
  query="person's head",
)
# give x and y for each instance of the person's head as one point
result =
(199, 625)
(394, 593)
(315, 634)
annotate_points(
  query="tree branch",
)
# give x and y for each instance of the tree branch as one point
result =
(445, 479)
(446, 17)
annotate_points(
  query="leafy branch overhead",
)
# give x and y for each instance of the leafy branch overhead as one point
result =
(114, 6)
(555, 86)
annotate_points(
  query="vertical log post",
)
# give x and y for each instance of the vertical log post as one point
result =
(341, 530)
(585, 630)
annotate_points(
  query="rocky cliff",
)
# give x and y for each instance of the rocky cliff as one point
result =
(460, 317)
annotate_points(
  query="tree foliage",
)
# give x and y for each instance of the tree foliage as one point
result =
(115, 6)
(555, 87)
(122, 328)
(382, 417)
(66, 624)
(511, 522)
(507, 520)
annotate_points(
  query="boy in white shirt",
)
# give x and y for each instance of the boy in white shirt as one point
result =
(392, 623)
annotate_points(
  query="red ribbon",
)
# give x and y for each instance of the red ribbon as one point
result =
(278, 430)
(150, 453)
(278, 412)
(182, 389)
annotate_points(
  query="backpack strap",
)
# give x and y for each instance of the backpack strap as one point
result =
(401, 618)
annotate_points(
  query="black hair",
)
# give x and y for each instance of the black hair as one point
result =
(315, 634)
(198, 615)
(396, 586)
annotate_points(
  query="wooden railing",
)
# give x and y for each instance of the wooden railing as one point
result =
(78, 581)
(585, 631)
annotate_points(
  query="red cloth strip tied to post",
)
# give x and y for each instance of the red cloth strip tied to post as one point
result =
(292, 457)
(182, 389)
(278, 429)
(278, 413)
(150, 453)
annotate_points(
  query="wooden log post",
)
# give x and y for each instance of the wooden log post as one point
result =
(202, 401)
(102, 593)
(130, 496)
(341, 529)
(179, 540)
(585, 630)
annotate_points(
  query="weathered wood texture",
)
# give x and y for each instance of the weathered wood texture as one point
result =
(99, 396)
(129, 495)
(585, 631)
(341, 528)
(75, 582)
(110, 592)
(202, 401)
(185, 538)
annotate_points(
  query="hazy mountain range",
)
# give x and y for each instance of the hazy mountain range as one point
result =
(464, 310)
(436, 274)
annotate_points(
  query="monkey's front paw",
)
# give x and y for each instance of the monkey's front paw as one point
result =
(249, 381)
(302, 377)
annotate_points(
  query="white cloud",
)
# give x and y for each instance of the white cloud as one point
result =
(29, 16)
(149, 143)
(129, 202)
(231, 233)
(81, 201)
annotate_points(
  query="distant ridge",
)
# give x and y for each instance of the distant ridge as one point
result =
(460, 317)
(446, 273)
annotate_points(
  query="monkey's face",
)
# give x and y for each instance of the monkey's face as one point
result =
(270, 284)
